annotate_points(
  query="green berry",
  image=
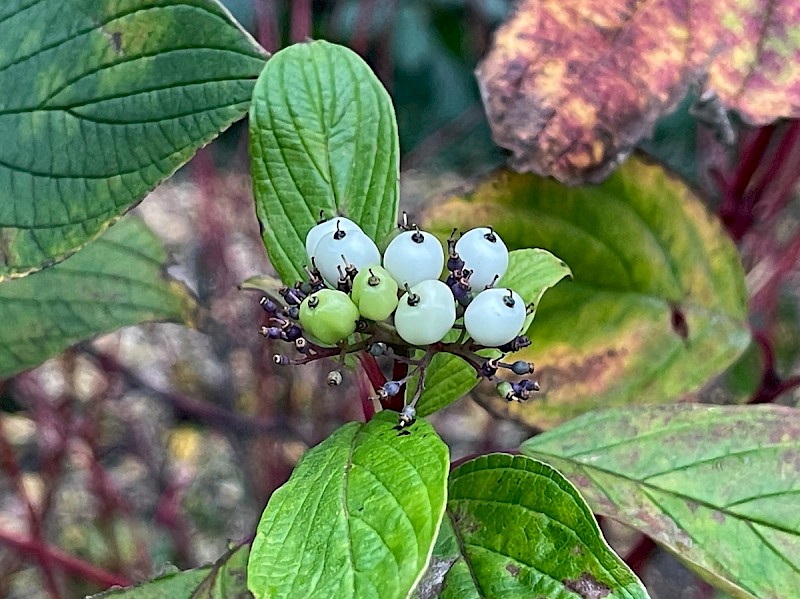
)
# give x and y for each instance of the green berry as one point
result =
(328, 316)
(375, 293)
(505, 389)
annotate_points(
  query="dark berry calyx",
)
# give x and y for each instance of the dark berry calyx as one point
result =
(339, 233)
(407, 417)
(373, 280)
(413, 298)
(508, 300)
(334, 378)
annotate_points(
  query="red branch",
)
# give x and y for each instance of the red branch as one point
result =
(365, 392)
(771, 386)
(375, 376)
(8, 460)
(69, 564)
(301, 21)
(637, 557)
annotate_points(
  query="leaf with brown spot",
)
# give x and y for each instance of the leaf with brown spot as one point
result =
(570, 86)
(588, 587)
(717, 486)
(512, 529)
(641, 247)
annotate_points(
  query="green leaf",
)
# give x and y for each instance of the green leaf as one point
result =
(323, 137)
(643, 251)
(102, 101)
(225, 579)
(717, 486)
(116, 281)
(517, 528)
(530, 273)
(358, 517)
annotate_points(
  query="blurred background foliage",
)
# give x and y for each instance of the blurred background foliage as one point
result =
(151, 447)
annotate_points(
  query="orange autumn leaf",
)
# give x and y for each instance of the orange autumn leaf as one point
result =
(571, 86)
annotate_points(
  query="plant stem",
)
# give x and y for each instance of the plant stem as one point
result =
(67, 563)
(375, 376)
(637, 557)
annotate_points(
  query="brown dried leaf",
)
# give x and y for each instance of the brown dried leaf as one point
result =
(570, 86)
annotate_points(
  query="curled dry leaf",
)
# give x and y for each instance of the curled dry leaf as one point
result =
(570, 86)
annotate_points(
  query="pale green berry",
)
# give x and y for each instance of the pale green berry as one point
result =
(329, 316)
(375, 293)
(327, 227)
(338, 250)
(413, 257)
(426, 313)
(495, 316)
(485, 254)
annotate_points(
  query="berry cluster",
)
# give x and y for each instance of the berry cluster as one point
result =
(396, 304)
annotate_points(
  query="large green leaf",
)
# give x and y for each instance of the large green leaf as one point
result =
(113, 282)
(517, 528)
(647, 258)
(530, 273)
(718, 486)
(358, 517)
(100, 102)
(225, 579)
(323, 137)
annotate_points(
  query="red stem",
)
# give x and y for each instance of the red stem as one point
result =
(771, 386)
(736, 210)
(301, 21)
(376, 379)
(269, 36)
(637, 557)
(365, 392)
(399, 371)
(751, 158)
(8, 460)
(67, 563)
(359, 40)
(778, 164)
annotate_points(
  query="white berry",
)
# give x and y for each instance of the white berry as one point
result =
(425, 315)
(340, 249)
(495, 316)
(328, 226)
(413, 257)
(485, 254)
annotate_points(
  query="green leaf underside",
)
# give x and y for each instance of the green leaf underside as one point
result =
(101, 101)
(225, 579)
(517, 528)
(323, 137)
(718, 486)
(530, 273)
(638, 245)
(358, 517)
(116, 281)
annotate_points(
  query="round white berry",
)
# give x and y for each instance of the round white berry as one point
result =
(495, 316)
(425, 315)
(413, 257)
(341, 248)
(485, 254)
(328, 226)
